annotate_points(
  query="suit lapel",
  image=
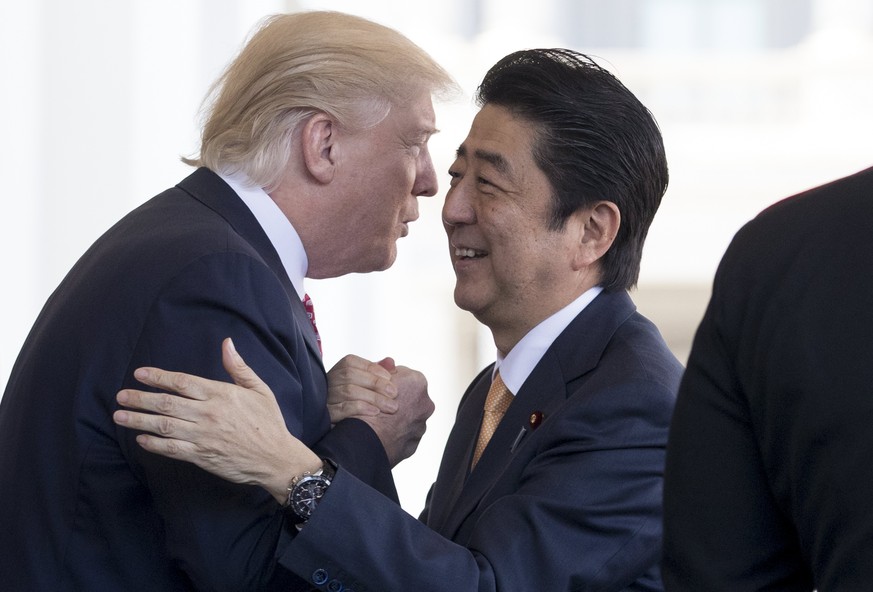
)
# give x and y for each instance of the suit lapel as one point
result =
(305, 325)
(458, 453)
(544, 391)
(577, 350)
(208, 188)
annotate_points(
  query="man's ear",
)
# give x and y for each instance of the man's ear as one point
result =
(598, 226)
(318, 138)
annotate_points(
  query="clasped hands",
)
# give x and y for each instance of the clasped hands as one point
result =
(236, 430)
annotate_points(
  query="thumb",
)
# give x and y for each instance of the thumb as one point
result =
(388, 364)
(239, 371)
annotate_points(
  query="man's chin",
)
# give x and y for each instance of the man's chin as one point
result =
(464, 302)
(385, 263)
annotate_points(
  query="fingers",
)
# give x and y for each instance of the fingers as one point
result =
(363, 388)
(166, 427)
(412, 385)
(343, 409)
(174, 382)
(351, 361)
(347, 409)
(388, 364)
(203, 389)
(174, 438)
(163, 403)
(239, 371)
(355, 384)
(177, 449)
(352, 364)
(401, 432)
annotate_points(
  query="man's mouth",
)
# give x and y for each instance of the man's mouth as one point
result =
(464, 253)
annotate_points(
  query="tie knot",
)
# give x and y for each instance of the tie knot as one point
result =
(499, 397)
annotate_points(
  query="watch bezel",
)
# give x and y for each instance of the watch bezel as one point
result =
(305, 491)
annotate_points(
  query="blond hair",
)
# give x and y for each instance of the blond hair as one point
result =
(299, 64)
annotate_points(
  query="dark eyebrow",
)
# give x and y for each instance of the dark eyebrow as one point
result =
(493, 158)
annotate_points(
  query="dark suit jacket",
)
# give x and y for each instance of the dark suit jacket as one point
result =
(769, 483)
(575, 504)
(82, 507)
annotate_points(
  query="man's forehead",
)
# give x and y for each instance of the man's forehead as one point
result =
(417, 116)
(499, 137)
(495, 159)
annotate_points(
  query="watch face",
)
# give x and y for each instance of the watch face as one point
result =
(305, 496)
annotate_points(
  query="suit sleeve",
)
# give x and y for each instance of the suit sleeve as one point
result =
(723, 530)
(768, 478)
(584, 514)
(226, 536)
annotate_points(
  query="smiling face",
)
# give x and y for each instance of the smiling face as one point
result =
(512, 271)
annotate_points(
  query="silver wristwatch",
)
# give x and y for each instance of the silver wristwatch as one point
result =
(306, 490)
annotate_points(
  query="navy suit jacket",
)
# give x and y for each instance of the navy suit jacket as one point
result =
(573, 504)
(82, 507)
(769, 481)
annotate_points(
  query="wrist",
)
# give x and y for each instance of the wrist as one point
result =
(291, 465)
(306, 491)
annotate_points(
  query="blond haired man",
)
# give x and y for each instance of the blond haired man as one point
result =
(313, 155)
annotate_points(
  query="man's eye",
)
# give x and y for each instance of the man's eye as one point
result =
(483, 181)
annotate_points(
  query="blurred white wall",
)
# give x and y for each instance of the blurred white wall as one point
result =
(757, 100)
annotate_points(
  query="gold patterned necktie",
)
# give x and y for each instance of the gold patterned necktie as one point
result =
(496, 403)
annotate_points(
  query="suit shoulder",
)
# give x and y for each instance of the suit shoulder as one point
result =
(825, 230)
(638, 352)
(632, 389)
(841, 208)
(174, 226)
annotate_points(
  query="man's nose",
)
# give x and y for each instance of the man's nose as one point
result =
(457, 208)
(426, 183)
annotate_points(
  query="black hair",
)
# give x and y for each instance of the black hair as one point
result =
(595, 141)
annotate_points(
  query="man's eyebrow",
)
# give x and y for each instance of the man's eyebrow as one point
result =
(420, 136)
(427, 132)
(498, 161)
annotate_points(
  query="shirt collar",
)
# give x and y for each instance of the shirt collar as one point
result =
(276, 226)
(517, 365)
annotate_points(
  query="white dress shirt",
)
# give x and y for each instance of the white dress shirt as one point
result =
(277, 227)
(517, 365)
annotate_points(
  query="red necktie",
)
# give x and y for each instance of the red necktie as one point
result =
(310, 312)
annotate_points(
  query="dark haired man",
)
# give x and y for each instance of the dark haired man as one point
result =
(551, 195)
